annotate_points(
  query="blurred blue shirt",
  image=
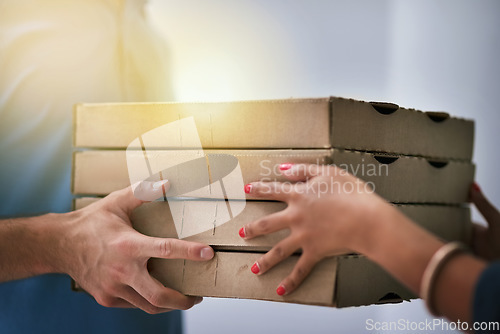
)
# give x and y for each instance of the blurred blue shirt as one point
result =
(486, 307)
(54, 54)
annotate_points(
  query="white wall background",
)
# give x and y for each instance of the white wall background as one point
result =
(431, 55)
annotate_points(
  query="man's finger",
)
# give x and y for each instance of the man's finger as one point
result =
(302, 268)
(489, 212)
(265, 225)
(160, 296)
(130, 296)
(278, 253)
(148, 191)
(168, 248)
(114, 302)
(128, 199)
(277, 191)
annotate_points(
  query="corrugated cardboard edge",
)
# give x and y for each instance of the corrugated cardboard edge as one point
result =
(413, 110)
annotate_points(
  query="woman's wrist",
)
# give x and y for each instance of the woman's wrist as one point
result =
(460, 273)
(378, 222)
(399, 245)
(433, 269)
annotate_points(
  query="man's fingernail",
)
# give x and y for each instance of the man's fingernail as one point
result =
(255, 268)
(157, 185)
(242, 232)
(198, 300)
(207, 253)
(248, 188)
(280, 290)
(476, 187)
(285, 166)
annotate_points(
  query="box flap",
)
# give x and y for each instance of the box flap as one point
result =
(157, 219)
(228, 275)
(404, 179)
(363, 282)
(102, 172)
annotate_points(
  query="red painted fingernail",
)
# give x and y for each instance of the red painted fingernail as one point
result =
(242, 232)
(285, 166)
(255, 268)
(476, 187)
(248, 188)
(280, 290)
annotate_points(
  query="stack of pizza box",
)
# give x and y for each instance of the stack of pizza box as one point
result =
(418, 161)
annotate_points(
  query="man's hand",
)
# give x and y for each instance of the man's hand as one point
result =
(108, 258)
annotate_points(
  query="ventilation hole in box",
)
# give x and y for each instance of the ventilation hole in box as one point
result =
(384, 108)
(437, 116)
(391, 297)
(437, 163)
(385, 159)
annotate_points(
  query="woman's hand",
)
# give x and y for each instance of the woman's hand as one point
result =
(485, 240)
(329, 212)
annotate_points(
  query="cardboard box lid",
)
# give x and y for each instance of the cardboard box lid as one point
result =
(289, 123)
(228, 275)
(363, 282)
(385, 127)
(399, 179)
(405, 179)
(239, 124)
(209, 222)
(102, 172)
(341, 281)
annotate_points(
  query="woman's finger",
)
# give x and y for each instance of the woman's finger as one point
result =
(278, 253)
(478, 242)
(301, 172)
(302, 268)
(489, 212)
(265, 225)
(277, 191)
(304, 172)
